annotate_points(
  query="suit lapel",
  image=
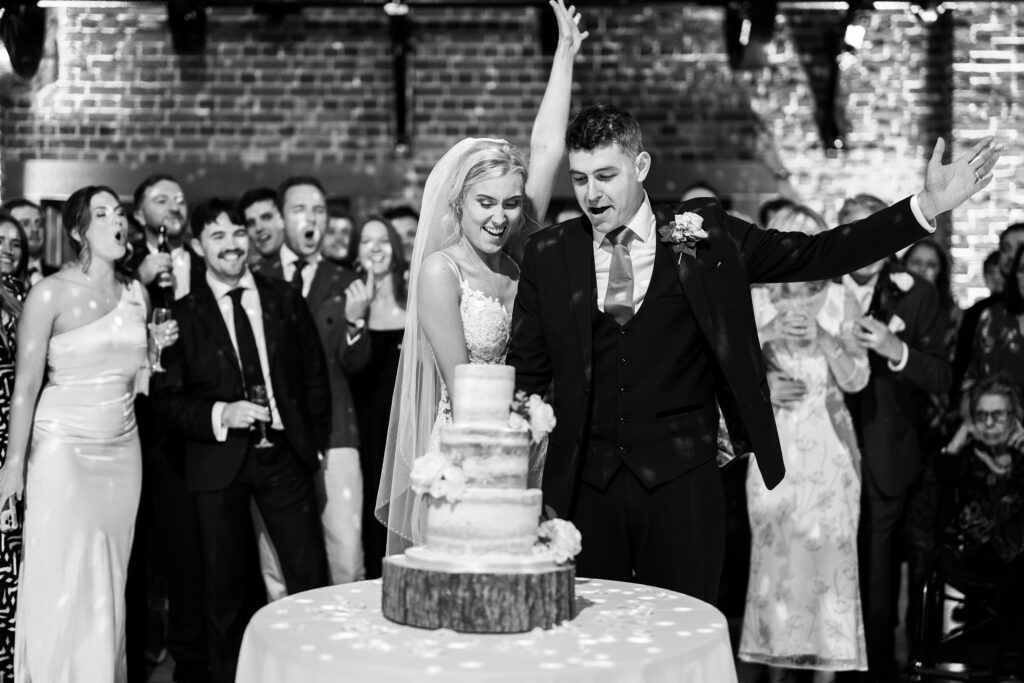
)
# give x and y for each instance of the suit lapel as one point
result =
(209, 313)
(688, 273)
(579, 262)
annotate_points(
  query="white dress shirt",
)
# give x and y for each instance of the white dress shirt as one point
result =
(641, 254)
(863, 293)
(251, 304)
(288, 260)
(181, 268)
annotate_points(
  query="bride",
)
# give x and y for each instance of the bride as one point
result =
(480, 194)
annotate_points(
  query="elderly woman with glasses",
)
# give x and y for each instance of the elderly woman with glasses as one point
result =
(983, 533)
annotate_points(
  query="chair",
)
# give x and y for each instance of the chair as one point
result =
(961, 651)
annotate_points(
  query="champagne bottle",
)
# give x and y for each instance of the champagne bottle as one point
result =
(165, 280)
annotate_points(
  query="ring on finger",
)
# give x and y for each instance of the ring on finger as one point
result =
(977, 176)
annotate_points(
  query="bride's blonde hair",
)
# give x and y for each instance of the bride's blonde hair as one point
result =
(485, 160)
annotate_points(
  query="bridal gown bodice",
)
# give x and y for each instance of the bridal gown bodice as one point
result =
(81, 495)
(487, 325)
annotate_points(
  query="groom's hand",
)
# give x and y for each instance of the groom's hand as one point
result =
(947, 186)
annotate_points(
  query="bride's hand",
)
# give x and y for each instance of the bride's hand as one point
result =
(12, 480)
(568, 18)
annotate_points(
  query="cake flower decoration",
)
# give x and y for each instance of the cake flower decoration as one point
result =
(559, 538)
(435, 474)
(531, 413)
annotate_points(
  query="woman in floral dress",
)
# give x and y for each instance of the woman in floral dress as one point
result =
(803, 598)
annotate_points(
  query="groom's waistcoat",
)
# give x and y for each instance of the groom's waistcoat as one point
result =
(653, 406)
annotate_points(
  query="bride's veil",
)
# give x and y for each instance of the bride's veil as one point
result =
(418, 386)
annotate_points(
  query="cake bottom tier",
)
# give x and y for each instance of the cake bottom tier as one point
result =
(477, 602)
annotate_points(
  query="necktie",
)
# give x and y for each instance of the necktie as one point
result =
(618, 301)
(296, 280)
(248, 355)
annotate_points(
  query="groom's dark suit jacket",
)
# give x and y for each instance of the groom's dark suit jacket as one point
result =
(203, 368)
(554, 332)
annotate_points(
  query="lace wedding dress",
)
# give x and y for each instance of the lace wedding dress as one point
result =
(487, 325)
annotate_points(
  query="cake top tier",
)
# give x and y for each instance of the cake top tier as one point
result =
(483, 393)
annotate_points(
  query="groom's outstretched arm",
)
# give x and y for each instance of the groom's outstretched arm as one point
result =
(528, 350)
(778, 257)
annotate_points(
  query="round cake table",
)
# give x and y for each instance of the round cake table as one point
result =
(623, 632)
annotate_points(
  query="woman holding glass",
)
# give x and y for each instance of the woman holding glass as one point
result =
(73, 455)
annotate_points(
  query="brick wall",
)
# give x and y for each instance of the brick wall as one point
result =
(313, 92)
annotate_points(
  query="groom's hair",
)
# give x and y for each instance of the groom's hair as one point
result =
(600, 125)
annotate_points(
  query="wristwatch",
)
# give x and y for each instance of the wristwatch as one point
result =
(357, 325)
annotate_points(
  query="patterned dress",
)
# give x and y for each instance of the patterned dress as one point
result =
(10, 542)
(803, 598)
(998, 346)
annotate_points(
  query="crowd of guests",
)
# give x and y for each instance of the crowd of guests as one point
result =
(215, 536)
(898, 412)
(899, 415)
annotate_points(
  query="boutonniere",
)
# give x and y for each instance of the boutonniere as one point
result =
(684, 233)
(903, 281)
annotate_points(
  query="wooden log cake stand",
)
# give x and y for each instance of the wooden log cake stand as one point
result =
(468, 601)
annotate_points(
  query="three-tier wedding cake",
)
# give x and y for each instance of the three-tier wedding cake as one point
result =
(486, 564)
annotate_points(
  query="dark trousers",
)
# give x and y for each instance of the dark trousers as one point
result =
(879, 576)
(282, 488)
(165, 550)
(671, 536)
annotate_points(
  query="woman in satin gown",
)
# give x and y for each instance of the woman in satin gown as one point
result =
(462, 282)
(83, 329)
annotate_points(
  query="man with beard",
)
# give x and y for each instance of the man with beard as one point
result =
(265, 225)
(335, 296)
(30, 216)
(240, 332)
(166, 510)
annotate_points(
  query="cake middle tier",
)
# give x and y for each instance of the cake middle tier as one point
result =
(490, 457)
(484, 521)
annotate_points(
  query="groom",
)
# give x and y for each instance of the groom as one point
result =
(639, 332)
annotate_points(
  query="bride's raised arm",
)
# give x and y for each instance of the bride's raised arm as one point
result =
(547, 141)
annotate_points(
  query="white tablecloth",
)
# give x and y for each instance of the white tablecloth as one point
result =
(624, 633)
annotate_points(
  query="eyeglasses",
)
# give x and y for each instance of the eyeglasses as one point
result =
(996, 416)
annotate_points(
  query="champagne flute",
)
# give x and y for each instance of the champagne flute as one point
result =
(160, 316)
(258, 395)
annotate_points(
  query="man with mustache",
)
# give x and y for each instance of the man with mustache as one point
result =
(240, 331)
(335, 296)
(166, 511)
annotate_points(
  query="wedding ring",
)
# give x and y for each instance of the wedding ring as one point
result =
(977, 176)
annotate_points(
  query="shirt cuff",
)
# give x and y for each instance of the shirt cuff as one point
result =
(351, 339)
(915, 208)
(904, 357)
(220, 432)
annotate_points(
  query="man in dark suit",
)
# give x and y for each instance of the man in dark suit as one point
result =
(166, 527)
(239, 332)
(335, 296)
(637, 339)
(903, 328)
(30, 216)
